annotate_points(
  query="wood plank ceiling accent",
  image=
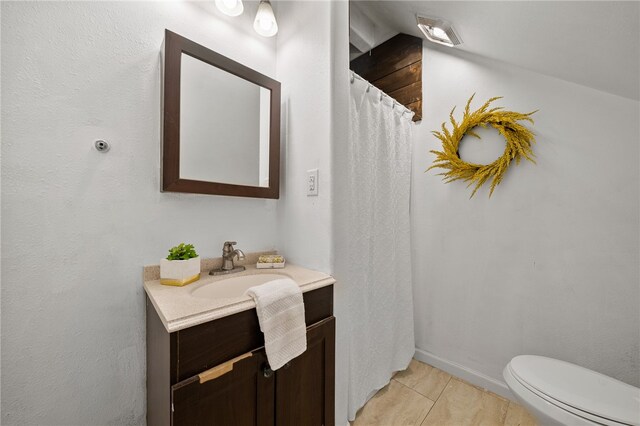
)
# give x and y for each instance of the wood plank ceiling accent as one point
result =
(395, 67)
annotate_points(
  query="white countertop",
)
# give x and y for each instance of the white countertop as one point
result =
(178, 309)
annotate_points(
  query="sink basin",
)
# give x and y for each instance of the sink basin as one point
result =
(233, 286)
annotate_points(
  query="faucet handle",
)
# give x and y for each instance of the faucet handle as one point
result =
(228, 247)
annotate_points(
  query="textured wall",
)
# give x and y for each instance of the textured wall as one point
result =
(313, 63)
(303, 67)
(77, 225)
(549, 264)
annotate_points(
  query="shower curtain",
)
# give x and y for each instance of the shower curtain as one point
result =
(379, 247)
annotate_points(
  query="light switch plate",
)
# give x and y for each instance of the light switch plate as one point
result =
(312, 182)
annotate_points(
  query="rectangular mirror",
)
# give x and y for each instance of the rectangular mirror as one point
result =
(221, 130)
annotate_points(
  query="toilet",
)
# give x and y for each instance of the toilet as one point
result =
(561, 393)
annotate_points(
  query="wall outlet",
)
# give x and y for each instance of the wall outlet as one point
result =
(312, 182)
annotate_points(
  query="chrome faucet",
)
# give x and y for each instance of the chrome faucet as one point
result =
(228, 253)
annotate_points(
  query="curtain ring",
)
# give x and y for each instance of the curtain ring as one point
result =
(353, 77)
(381, 95)
(368, 88)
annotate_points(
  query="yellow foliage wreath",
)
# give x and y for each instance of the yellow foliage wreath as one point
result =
(519, 140)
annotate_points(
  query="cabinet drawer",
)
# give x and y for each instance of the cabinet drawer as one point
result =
(206, 345)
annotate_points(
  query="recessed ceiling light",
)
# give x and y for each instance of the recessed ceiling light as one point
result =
(438, 31)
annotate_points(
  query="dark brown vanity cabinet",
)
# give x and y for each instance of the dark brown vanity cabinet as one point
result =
(190, 380)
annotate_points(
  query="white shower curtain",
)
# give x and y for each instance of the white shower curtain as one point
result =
(379, 276)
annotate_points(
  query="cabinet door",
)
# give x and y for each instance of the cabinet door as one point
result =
(242, 396)
(305, 388)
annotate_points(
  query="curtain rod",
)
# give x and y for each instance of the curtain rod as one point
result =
(382, 94)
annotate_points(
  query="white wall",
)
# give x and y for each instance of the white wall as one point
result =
(78, 225)
(549, 264)
(313, 66)
(340, 122)
(303, 68)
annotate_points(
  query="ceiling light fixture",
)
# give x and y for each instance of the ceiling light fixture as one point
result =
(438, 31)
(265, 23)
(230, 7)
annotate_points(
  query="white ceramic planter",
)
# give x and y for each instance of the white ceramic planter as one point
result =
(179, 272)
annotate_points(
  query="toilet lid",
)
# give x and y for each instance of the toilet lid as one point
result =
(580, 388)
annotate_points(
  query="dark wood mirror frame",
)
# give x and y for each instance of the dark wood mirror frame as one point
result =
(175, 46)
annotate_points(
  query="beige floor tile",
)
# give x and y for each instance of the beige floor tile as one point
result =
(518, 416)
(394, 405)
(462, 404)
(423, 378)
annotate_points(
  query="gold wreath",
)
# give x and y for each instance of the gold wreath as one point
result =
(519, 140)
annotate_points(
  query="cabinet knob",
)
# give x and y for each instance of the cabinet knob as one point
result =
(267, 371)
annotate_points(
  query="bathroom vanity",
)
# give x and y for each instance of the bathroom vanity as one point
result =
(206, 362)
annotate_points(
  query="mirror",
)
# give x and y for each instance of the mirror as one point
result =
(221, 125)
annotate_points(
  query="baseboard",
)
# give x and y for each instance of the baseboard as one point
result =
(471, 376)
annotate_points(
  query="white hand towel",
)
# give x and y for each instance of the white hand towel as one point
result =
(281, 315)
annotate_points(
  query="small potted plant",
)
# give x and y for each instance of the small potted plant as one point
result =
(181, 267)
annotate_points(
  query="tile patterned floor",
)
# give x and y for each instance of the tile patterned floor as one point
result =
(425, 396)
